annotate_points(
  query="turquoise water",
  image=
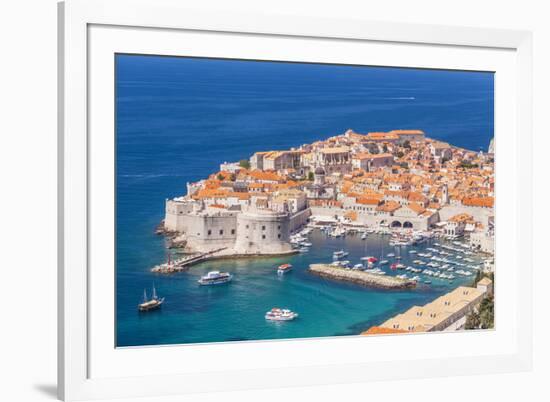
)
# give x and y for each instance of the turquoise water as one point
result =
(235, 311)
(177, 119)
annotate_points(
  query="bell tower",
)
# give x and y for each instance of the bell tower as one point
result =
(445, 195)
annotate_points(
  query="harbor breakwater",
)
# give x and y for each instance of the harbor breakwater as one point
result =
(360, 277)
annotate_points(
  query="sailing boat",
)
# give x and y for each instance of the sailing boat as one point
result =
(152, 304)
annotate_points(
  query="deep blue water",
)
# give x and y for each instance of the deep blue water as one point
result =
(179, 118)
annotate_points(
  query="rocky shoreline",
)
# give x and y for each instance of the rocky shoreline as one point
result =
(360, 277)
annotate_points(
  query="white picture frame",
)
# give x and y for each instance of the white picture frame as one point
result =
(84, 26)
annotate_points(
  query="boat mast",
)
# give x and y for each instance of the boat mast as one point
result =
(154, 292)
(144, 295)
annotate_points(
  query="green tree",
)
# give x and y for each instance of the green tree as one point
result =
(385, 148)
(407, 144)
(373, 148)
(310, 176)
(487, 313)
(244, 163)
(220, 177)
(472, 320)
(400, 154)
(468, 165)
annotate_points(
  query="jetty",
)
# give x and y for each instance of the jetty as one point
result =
(183, 264)
(360, 277)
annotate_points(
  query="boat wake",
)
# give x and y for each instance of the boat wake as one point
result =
(402, 98)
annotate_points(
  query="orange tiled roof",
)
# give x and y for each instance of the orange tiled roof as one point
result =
(407, 132)
(212, 184)
(325, 202)
(416, 208)
(389, 206)
(239, 195)
(265, 175)
(346, 186)
(381, 136)
(461, 218)
(367, 201)
(417, 197)
(478, 201)
(392, 193)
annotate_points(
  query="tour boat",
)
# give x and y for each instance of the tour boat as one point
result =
(284, 268)
(277, 314)
(152, 304)
(215, 278)
(364, 236)
(393, 267)
(391, 255)
(358, 266)
(383, 262)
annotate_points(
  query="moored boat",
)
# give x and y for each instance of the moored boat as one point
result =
(339, 254)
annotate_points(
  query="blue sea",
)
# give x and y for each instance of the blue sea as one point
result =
(177, 119)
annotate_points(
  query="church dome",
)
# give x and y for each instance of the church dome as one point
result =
(319, 170)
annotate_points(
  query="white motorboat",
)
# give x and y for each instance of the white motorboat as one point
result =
(278, 314)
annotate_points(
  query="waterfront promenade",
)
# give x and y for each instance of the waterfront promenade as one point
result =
(445, 313)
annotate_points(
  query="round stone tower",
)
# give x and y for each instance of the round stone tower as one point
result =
(262, 232)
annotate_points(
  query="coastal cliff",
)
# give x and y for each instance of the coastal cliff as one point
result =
(360, 277)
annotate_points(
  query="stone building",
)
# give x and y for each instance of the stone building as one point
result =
(442, 150)
(369, 162)
(409, 135)
(334, 159)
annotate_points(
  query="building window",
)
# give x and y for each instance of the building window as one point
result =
(247, 226)
(232, 231)
(263, 236)
(221, 231)
(279, 227)
(209, 232)
(279, 236)
(263, 227)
